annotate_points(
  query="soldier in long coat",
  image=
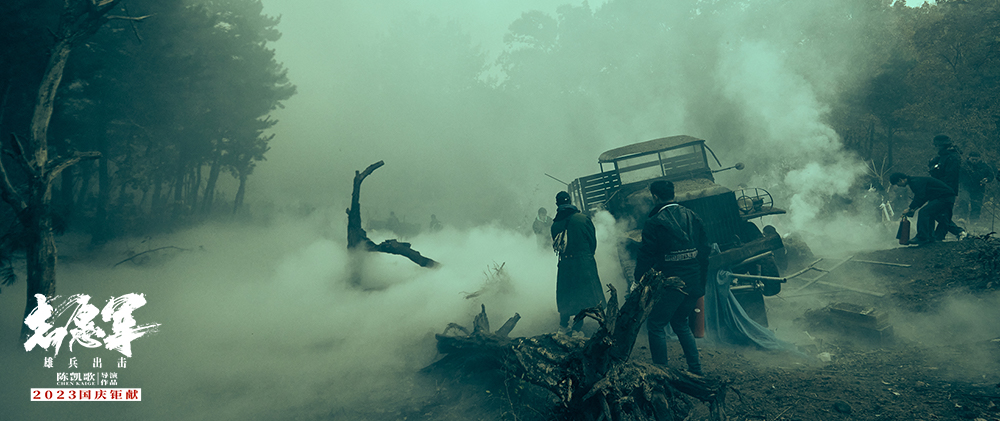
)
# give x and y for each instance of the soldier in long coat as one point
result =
(575, 240)
(976, 175)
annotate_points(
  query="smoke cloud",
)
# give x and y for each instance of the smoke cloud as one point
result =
(374, 85)
(263, 321)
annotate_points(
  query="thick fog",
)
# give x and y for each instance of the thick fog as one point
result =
(373, 83)
(261, 320)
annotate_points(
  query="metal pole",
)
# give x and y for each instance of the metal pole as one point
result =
(759, 277)
(567, 184)
(754, 259)
(882, 263)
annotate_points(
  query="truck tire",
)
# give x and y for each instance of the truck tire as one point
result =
(753, 304)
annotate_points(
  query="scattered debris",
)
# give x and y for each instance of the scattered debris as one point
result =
(823, 272)
(497, 281)
(854, 321)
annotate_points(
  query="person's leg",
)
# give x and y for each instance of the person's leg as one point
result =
(925, 226)
(941, 212)
(952, 227)
(941, 229)
(659, 318)
(682, 328)
(657, 336)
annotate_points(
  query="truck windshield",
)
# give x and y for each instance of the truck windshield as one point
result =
(669, 163)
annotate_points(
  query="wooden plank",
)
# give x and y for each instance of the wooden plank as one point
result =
(882, 263)
(825, 271)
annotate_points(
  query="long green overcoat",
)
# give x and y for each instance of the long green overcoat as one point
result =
(577, 283)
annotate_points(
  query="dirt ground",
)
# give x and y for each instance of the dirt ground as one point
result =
(941, 360)
(903, 377)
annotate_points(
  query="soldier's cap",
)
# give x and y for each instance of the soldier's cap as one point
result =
(942, 140)
(562, 197)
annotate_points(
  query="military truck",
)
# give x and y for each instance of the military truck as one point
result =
(621, 188)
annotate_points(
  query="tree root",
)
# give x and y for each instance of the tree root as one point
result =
(592, 378)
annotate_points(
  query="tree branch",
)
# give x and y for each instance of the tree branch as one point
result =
(149, 251)
(135, 31)
(355, 234)
(61, 163)
(18, 153)
(359, 177)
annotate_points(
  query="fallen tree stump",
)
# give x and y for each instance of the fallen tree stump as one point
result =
(591, 379)
(358, 238)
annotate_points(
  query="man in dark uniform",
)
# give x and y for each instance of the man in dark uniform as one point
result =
(977, 173)
(939, 199)
(673, 242)
(577, 284)
(542, 227)
(947, 167)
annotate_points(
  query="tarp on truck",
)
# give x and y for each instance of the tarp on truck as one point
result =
(726, 322)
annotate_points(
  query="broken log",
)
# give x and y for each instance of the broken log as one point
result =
(358, 238)
(591, 379)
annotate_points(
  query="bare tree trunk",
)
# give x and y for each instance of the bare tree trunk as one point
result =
(86, 173)
(194, 187)
(98, 232)
(41, 249)
(32, 204)
(41, 253)
(68, 183)
(870, 147)
(122, 197)
(240, 192)
(358, 238)
(156, 204)
(890, 145)
(213, 177)
(178, 205)
(142, 200)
